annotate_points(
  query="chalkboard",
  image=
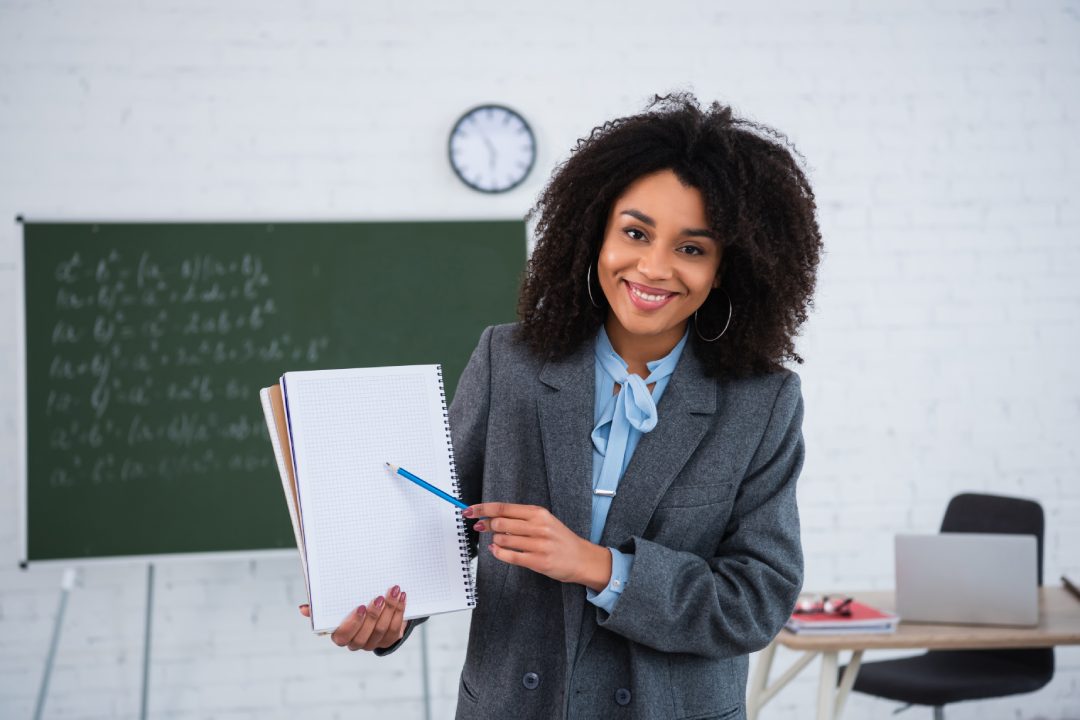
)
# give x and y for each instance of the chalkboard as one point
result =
(147, 344)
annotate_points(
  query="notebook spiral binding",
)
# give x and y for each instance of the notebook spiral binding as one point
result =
(463, 541)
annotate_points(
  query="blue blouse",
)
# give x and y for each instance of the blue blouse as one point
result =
(620, 420)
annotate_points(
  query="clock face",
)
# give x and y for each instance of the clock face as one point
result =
(492, 148)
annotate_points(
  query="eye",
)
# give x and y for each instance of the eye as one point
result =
(691, 250)
(635, 234)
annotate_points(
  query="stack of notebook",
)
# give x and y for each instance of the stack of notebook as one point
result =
(862, 619)
(359, 528)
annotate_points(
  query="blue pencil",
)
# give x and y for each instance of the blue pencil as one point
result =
(427, 486)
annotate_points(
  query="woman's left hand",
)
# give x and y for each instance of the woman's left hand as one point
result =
(530, 536)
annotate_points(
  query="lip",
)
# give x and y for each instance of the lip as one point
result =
(643, 304)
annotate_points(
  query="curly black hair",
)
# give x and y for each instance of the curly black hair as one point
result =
(756, 197)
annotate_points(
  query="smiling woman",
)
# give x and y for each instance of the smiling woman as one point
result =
(630, 449)
(752, 197)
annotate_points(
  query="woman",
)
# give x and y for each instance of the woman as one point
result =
(675, 261)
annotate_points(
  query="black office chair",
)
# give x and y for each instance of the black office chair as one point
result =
(940, 677)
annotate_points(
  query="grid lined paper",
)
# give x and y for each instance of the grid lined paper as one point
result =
(366, 529)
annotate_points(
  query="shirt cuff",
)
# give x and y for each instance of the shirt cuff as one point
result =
(620, 573)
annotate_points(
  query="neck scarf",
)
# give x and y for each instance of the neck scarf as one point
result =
(632, 407)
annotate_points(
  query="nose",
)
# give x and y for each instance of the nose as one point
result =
(654, 262)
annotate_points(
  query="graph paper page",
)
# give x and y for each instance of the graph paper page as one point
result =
(364, 528)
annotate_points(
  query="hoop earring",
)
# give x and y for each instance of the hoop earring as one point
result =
(588, 286)
(726, 324)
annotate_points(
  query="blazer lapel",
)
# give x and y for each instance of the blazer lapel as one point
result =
(566, 422)
(684, 412)
(566, 425)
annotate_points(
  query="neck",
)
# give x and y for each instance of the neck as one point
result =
(637, 350)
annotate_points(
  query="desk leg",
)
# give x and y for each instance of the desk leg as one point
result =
(827, 685)
(760, 680)
(758, 698)
(847, 681)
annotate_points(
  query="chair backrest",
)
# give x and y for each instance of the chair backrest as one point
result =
(978, 513)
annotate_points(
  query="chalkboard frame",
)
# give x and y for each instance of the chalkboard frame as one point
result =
(22, 374)
(22, 528)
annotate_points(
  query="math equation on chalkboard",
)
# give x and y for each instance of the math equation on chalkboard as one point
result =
(168, 346)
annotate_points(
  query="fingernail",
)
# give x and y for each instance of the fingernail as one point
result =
(360, 611)
(378, 602)
(491, 547)
(402, 598)
(467, 512)
(480, 526)
(394, 591)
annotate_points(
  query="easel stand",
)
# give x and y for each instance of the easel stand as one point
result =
(67, 584)
(424, 670)
(145, 694)
(70, 579)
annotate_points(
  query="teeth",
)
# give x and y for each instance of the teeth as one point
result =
(645, 296)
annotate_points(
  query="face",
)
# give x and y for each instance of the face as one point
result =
(658, 262)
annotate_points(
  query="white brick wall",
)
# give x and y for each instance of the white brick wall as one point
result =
(941, 142)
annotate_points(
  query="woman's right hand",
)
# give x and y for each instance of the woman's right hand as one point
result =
(380, 624)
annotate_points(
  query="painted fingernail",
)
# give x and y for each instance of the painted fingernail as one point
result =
(378, 602)
(467, 512)
(480, 526)
(402, 598)
(361, 611)
(491, 547)
(394, 591)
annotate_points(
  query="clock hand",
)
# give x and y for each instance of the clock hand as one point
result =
(491, 150)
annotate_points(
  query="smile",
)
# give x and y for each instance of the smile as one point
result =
(647, 298)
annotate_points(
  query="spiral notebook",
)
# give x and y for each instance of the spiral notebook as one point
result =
(359, 528)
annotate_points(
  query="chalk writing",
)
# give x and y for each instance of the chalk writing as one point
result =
(155, 365)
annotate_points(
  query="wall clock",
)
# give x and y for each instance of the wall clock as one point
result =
(492, 148)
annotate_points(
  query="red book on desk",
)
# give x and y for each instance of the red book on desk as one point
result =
(863, 619)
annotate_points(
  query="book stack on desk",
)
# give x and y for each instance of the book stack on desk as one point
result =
(862, 619)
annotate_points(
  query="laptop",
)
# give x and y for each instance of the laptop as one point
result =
(967, 579)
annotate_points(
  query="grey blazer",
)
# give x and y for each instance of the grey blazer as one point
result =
(707, 506)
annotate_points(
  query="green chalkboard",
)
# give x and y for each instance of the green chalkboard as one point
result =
(147, 344)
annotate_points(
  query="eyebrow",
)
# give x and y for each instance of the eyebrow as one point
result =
(692, 232)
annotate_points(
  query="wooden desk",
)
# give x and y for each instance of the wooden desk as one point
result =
(1059, 624)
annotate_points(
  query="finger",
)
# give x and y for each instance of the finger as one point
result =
(382, 626)
(349, 626)
(499, 509)
(510, 557)
(374, 612)
(519, 543)
(395, 604)
(305, 610)
(510, 525)
(396, 629)
(403, 623)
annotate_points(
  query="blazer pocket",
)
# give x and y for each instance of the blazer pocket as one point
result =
(696, 495)
(729, 714)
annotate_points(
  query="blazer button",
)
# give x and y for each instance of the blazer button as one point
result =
(530, 680)
(622, 696)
